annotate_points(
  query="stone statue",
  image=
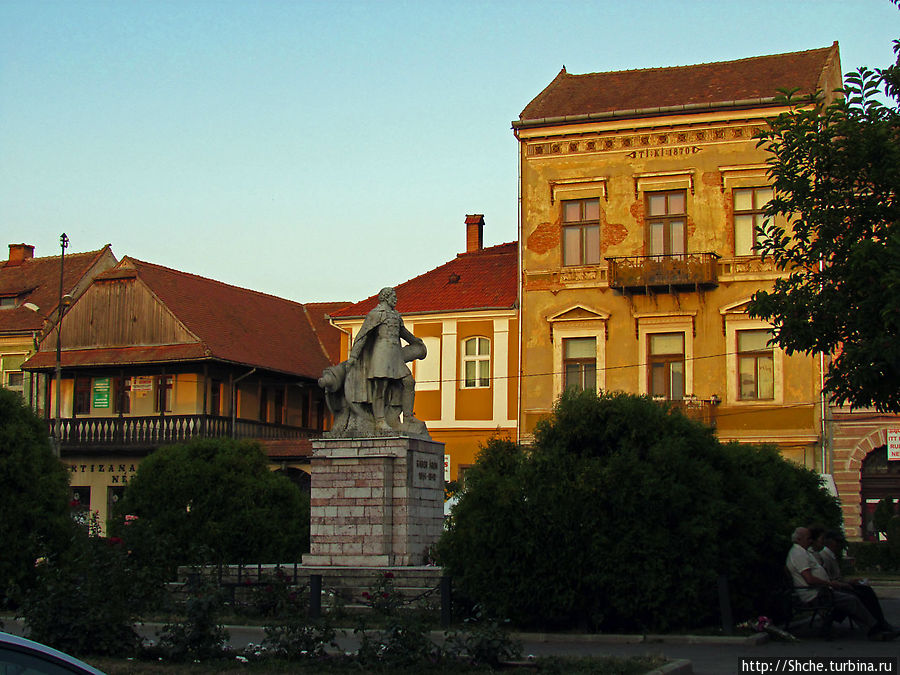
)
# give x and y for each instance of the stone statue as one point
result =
(368, 392)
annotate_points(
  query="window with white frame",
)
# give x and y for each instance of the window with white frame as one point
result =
(755, 368)
(666, 365)
(749, 217)
(666, 216)
(476, 363)
(756, 365)
(580, 363)
(581, 231)
(12, 376)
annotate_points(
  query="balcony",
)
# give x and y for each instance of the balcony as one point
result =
(698, 410)
(144, 433)
(663, 273)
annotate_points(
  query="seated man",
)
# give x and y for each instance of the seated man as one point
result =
(826, 546)
(810, 577)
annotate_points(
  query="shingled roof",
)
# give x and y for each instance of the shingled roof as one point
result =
(36, 281)
(745, 82)
(230, 324)
(238, 324)
(328, 335)
(481, 279)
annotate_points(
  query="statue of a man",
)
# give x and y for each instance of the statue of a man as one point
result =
(377, 384)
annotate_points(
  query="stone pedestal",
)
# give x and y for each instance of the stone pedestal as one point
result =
(376, 502)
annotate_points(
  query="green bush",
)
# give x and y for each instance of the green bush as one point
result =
(34, 516)
(893, 540)
(622, 515)
(299, 639)
(885, 511)
(872, 556)
(212, 501)
(199, 635)
(86, 600)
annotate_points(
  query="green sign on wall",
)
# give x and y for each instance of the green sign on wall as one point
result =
(101, 392)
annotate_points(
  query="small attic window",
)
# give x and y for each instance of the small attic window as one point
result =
(454, 278)
(9, 301)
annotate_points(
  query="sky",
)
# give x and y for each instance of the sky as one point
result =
(320, 151)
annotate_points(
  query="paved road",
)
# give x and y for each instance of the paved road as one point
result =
(722, 656)
(707, 656)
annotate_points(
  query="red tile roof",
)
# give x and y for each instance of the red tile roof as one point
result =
(483, 279)
(118, 356)
(231, 324)
(724, 82)
(328, 335)
(236, 324)
(36, 281)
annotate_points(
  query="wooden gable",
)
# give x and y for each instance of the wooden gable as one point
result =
(119, 310)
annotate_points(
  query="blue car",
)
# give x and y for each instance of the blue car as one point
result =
(19, 656)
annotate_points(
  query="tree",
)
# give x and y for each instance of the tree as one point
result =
(621, 516)
(836, 174)
(213, 501)
(34, 513)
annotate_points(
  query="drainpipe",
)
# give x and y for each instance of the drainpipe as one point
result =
(822, 399)
(824, 404)
(520, 295)
(234, 398)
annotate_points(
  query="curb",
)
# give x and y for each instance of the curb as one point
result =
(603, 638)
(679, 667)
(577, 638)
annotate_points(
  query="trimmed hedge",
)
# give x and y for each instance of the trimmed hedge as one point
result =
(34, 516)
(622, 516)
(212, 501)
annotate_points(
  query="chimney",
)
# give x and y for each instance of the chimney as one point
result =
(19, 253)
(474, 232)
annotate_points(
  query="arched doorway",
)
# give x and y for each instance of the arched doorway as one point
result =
(878, 479)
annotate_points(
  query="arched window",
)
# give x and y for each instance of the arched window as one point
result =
(476, 363)
(879, 478)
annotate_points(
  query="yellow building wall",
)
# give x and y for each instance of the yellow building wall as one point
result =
(707, 157)
(474, 403)
(512, 381)
(463, 445)
(13, 352)
(428, 402)
(464, 418)
(100, 474)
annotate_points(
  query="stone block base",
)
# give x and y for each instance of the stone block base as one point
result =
(375, 502)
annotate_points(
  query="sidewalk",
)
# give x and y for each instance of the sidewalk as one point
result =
(709, 655)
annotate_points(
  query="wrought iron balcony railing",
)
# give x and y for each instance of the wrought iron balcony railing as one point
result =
(663, 273)
(145, 432)
(694, 408)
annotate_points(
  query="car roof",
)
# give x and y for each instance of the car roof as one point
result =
(27, 646)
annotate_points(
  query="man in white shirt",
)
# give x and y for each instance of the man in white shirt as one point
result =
(829, 545)
(810, 577)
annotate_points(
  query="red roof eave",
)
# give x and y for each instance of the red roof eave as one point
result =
(118, 356)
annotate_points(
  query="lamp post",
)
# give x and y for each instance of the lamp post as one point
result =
(57, 431)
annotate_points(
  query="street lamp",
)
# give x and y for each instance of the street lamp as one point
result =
(57, 431)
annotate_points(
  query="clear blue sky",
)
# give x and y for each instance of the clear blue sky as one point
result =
(322, 150)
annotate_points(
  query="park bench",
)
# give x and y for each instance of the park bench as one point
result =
(794, 609)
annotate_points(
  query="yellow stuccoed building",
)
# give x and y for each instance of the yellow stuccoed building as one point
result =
(641, 196)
